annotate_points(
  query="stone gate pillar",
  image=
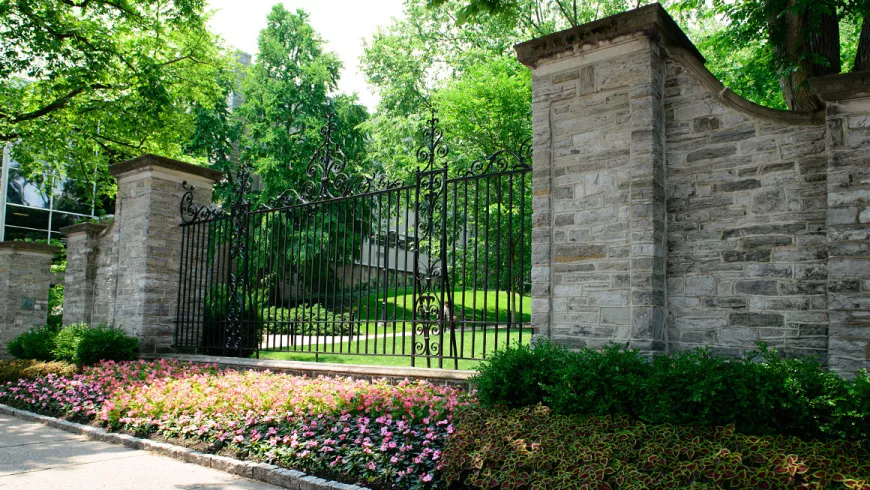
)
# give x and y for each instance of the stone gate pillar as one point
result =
(848, 218)
(598, 246)
(25, 278)
(82, 243)
(149, 243)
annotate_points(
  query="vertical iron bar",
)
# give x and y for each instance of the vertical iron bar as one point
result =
(199, 305)
(396, 269)
(476, 257)
(445, 312)
(181, 269)
(510, 290)
(486, 266)
(405, 272)
(452, 286)
(356, 265)
(416, 278)
(499, 195)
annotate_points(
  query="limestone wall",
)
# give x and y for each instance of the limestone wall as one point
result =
(670, 213)
(25, 278)
(746, 205)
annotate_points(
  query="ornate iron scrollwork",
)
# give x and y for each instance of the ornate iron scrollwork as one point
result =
(190, 211)
(430, 259)
(326, 168)
(433, 146)
(502, 161)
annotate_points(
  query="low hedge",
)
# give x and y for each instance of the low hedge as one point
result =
(762, 394)
(537, 449)
(36, 343)
(307, 320)
(14, 369)
(85, 346)
(78, 344)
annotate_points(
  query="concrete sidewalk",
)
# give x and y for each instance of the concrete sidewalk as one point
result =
(35, 457)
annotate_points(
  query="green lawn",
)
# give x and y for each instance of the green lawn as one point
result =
(481, 305)
(469, 344)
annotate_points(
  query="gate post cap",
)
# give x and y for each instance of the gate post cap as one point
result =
(28, 247)
(151, 162)
(652, 20)
(85, 227)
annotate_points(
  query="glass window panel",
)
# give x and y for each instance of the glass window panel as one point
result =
(27, 218)
(59, 220)
(22, 191)
(73, 196)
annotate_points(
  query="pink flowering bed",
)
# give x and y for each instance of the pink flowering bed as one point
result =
(374, 433)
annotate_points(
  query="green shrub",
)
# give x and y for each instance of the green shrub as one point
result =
(519, 376)
(536, 448)
(694, 387)
(83, 345)
(307, 320)
(67, 342)
(762, 394)
(599, 382)
(13, 370)
(37, 343)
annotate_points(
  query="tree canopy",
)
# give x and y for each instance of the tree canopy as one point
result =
(288, 92)
(785, 40)
(86, 82)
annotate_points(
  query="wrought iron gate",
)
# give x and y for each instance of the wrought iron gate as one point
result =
(433, 269)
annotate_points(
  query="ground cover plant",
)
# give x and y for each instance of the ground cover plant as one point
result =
(15, 369)
(388, 436)
(535, 448)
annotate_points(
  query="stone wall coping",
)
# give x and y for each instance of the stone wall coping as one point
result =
(730, 99)
(149, 161)
(29, 247)
(652, 20)
(844, 86)
(264, 472)
(85, 227)
(327, 369)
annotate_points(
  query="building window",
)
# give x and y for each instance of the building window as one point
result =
(29, 212)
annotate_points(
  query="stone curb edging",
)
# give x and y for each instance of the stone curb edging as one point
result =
(268, 473)
(325, 368)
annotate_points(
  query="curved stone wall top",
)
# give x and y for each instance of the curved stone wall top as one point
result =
(655, 23)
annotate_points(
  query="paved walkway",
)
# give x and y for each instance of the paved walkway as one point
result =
(36, 457)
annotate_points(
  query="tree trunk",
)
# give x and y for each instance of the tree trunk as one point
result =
(862, 59)
(797, 47)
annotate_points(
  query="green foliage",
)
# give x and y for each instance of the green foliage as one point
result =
(536, 448)
(55, 307)
(67, 341)
(599, 382)
(84, 345)
(85, 83)
(13, 370)
(763, 393)
(36, 344)
(308, 320)
(519, 376)
(287, 97)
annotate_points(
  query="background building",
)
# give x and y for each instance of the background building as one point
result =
(31, 211)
